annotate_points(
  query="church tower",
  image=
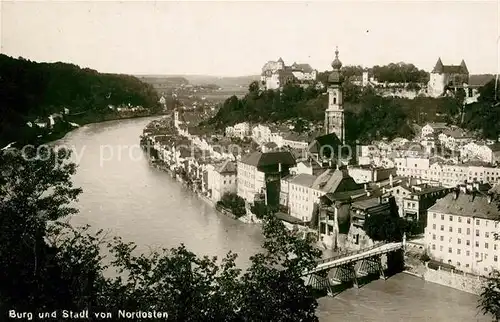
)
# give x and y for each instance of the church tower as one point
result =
(334, 114)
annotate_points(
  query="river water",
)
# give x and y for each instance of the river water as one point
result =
(124, 195)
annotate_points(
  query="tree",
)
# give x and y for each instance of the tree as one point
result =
(385, 226)
(48, 265)
(489, 301)
(234, 203)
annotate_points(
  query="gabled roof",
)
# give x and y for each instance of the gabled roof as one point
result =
(333, 181)
(466, 205)
(328, 140)
(437, 125)
(480, 80)
(306, 68)
(259, 159)
(439, 68)
(227, 166)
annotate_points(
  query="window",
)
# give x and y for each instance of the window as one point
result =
(486, 245)
(434, 216)
(467, 265)
(477, 244)
(433, 226)
(468, 220)
(459, 251)
(494, 246)
(433, 237)
(487, 234)
(477, 255)
(459, 241)
(442, 227)
(459, 219)
(433, 247)
(467, 243)
(468, 231)
(495, 258)
(450, 229)
(442, 217)
(441, 238)
(477, 222)
(450, 250)
(477, 232)
(440, 248)
(451, 218)
(459, 230)
(467, 253)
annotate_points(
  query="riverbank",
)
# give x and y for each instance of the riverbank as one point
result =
(79, 121)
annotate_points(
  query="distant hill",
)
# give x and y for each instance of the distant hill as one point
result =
(224, 82)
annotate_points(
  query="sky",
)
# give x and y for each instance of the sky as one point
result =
(234, 38)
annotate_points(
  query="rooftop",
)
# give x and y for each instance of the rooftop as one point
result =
(303, 179)
(259, 159)
(467, 205)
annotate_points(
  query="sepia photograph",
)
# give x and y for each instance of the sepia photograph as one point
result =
(250, 161)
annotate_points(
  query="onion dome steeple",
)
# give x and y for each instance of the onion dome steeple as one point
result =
(336, 64)
(335, 76)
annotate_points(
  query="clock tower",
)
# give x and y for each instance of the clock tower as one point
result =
(334, 114)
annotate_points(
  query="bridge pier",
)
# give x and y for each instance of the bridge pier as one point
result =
(372, 265)
(346, 273)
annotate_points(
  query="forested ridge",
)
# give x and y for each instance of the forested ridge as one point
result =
(30, 90)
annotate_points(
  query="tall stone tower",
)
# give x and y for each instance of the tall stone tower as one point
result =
(334, 114)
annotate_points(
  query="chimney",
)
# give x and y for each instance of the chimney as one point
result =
(456, 193)
(279, 167)
(391, 180)
(490, 197)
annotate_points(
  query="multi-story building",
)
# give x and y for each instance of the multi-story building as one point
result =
(369, 173)
(301, 198)
(260, 174)
(414, 199)
(447, 173)
(275, 74)
(431, 129)
(221, 179)
(261, 133)
(461, 231)
(239, 130)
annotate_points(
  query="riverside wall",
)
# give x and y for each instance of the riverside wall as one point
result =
(457, 280)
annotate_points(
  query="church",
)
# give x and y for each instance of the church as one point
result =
(334, 136)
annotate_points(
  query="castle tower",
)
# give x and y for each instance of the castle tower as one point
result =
(334, 114)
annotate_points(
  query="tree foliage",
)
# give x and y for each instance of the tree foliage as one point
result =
(29, 90)
(48, 265)
(385, 226)
(489, 301)
(234, 203)
(484, 113)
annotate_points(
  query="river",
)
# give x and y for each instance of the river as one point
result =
(122, 194)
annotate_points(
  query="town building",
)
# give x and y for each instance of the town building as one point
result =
(334, 114)
(370, 173)
(259, 175)
(461, 231)
(275, 74)
(431, 129)
(450, 174)
(240, 130)
(221, 179)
